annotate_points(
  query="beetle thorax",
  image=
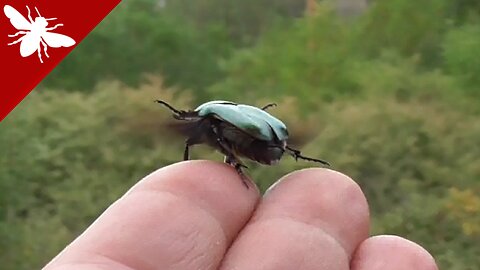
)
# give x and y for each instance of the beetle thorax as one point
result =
(39, 25)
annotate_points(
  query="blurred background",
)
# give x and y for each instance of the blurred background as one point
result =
(386, 91)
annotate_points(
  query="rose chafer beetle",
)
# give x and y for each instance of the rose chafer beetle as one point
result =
(236, 130)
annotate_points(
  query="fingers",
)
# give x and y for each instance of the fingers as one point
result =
(183, 216)
(391, 253)
(312, 219)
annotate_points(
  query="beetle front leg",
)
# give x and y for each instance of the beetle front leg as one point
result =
(54, 27)
(189, 142)
(29, 15)
(177, 113)
(186, 153)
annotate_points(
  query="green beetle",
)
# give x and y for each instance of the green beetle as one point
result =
(236, 130)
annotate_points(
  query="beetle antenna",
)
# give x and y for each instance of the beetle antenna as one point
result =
(38, 12)
(269, 105)
(170, 107)
(298, 155)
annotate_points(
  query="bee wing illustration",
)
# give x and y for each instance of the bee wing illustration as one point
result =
(55, 40)
(29, 44)
(16, 19)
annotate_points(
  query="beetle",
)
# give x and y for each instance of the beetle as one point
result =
(236, 130)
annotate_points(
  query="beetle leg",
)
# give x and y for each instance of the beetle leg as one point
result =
(186, 153)
(269, 105)
(226, 149)
(189, 142)
(238, 168)
(179, 114)
(229, 157)
(232, 160)
(298, 155)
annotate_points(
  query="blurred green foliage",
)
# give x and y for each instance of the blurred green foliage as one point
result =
(391, 98)
(138, 38)
(185, 41)
(460, 47)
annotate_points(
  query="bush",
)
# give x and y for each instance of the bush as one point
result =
(406, 27)
(307, 61)
(461, 56)
(325, 58)
(139, 38)
(67, 156)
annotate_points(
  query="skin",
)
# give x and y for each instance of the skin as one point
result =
(199, 215)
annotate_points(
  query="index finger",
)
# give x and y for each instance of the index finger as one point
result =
(183, 216)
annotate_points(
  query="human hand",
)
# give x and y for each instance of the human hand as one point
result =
(199, 215)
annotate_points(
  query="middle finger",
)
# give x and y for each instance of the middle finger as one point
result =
(312, 219)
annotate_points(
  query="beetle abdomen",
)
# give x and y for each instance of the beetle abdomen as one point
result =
(261, 151)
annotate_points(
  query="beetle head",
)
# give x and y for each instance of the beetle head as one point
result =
(41, 21)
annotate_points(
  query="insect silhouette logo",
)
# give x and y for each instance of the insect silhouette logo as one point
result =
(34, 34)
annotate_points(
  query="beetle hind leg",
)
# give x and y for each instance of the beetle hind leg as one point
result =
(298, 155)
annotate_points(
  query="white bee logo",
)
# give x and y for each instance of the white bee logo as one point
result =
(35, 33)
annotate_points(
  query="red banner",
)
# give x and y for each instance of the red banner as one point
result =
(35, 36)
